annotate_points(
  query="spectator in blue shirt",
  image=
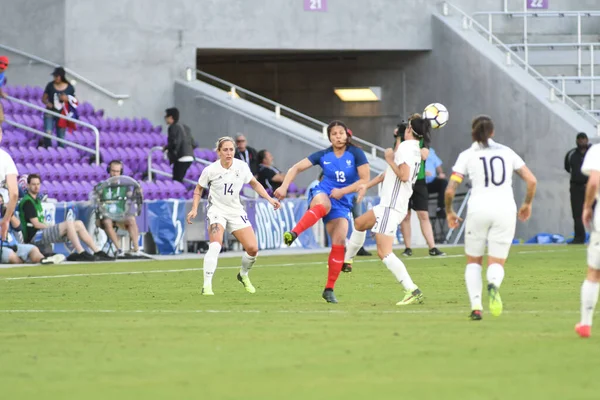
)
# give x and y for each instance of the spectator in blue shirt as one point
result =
(436, 180)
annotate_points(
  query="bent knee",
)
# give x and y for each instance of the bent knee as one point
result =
(78, 224)
(252, 251)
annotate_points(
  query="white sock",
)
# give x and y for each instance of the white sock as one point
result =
(210, 262)
(397, 267)
(495, 274)
(356, 241)
(247, 263)
(474, 285)
(589, 298)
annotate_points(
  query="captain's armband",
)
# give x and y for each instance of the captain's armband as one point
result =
(456, 177)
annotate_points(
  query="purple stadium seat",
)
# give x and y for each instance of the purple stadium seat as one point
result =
(6, 106)
(64, 172)
(55, 155)
(87, 189)
(293, 188)
(163, 190)
(79, 193)
(70, 190)
(180, 190)
(85, 170)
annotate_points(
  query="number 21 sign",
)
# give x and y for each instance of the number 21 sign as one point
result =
(315, 5)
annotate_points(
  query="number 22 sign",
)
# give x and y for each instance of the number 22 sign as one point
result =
(537, 4)
(315, 5)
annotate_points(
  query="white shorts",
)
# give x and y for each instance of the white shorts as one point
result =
(593, 252)
(231, 222)
(492, 226)
(386, 220)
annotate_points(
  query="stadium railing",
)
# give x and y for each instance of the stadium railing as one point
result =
(468, 23)
(235, 90)
(95, 151)
(163, 173)
(79, 78)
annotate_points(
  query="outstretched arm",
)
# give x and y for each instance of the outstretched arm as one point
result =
(300, 166)
(526, 174)
(258, 188)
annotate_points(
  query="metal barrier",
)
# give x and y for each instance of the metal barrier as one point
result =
(95, 151)
(469, 23)
(578, 46)
(118, 97)
(461, 229)
(277, 108)
(163, 173)
(563, 85)
(525, 14)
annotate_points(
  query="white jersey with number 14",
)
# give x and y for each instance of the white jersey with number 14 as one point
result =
(396, 194)
(490, 170)
(224, 185)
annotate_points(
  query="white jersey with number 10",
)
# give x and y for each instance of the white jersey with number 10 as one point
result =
(490, 170)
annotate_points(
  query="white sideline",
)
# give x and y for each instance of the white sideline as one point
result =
(166, 271)
(345, 312)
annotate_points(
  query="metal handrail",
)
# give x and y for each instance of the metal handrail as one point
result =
(573, 78)
(561, 14)
(571, 44)
(159, 172)
(76, 121)
(459, 213)
(304, 119)
(67, 70)
(469, 22)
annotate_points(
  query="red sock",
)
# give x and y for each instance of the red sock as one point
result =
(310, 218)
(336, 259)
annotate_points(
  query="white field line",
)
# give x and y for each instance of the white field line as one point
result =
(166, 271)
(343, 312)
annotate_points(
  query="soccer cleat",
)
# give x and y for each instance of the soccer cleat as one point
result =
(416, 296)
(289, 237)
(363, 252)
(434, 252)
(347, 267)
(495, 300)
(245, 280)
(407, 252)
(207, 290)
(55, 259)
(475, 315)
(329, 296)
(584, 331)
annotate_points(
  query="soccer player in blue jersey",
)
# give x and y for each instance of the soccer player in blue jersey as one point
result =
(345, 168)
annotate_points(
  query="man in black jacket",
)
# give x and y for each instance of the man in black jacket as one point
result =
(246, 153)
(573, 161)
(180, 146)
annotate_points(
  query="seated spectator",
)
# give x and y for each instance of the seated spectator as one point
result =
(268, 176)
(36, 231)
(246, 153)
(13, 249)
(436, 180)
(115, 168)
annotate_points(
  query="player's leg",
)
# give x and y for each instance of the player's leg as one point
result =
(320, 205)
(216, 229)
(358, 236)
(337, 228)
(500, 236)
(475, 240)
(406, 231)
(590, 287)
(420, 203)
(247, 238)
(385, 230)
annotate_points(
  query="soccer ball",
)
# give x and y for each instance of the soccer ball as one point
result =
(437, 114)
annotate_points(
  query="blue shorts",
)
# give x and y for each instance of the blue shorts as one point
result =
(338, 209)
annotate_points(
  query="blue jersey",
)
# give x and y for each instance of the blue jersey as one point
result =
(338, 172)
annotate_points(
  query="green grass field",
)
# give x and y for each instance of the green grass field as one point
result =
(87, 332)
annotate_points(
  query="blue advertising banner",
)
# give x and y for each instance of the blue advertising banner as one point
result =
(269, 225)
(166, 221)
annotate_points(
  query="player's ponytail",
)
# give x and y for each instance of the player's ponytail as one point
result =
(482, 129)
(420, 126)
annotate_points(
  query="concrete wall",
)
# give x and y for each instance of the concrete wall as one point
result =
(472, 79)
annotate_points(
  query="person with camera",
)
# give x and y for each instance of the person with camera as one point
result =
(118, 195)
(419, 201)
